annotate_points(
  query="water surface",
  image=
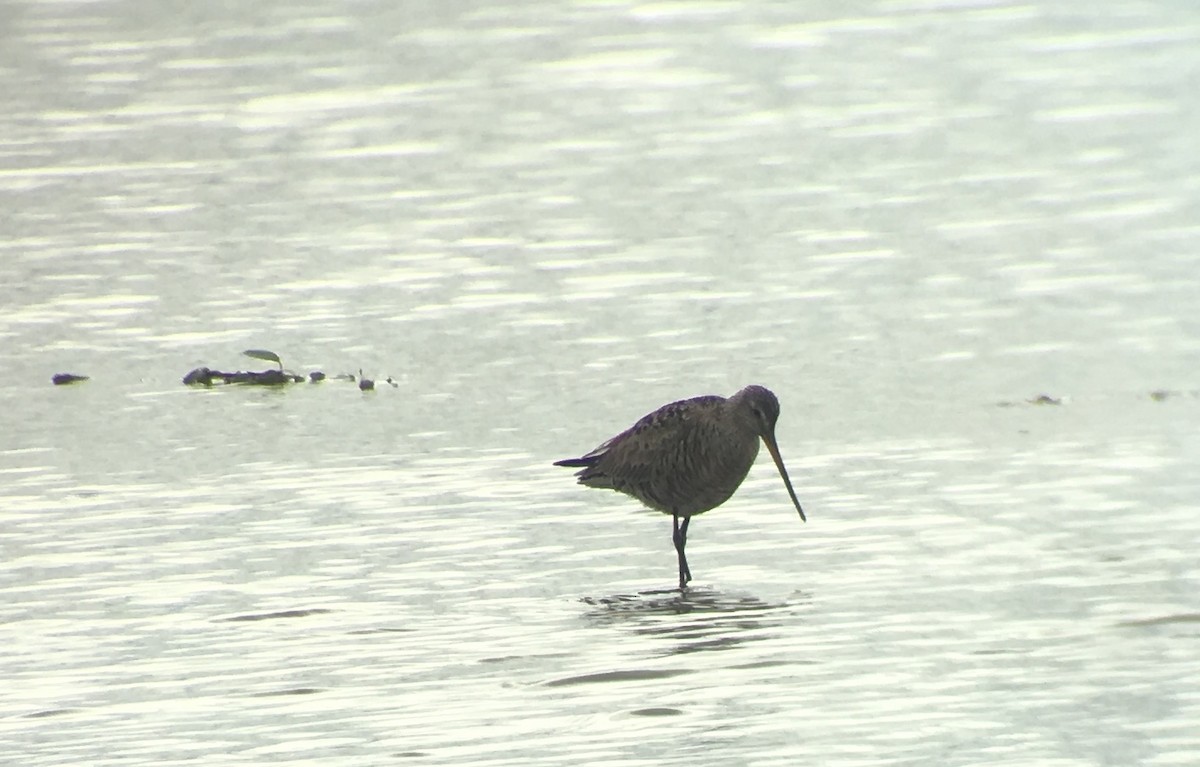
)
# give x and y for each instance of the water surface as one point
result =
(909, 219)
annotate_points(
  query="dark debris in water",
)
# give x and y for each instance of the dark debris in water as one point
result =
(1041, 399)
(1158, 395)
(207, 377)
(1045, 399)
(656, 711)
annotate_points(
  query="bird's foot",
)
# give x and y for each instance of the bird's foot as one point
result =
(685, 577)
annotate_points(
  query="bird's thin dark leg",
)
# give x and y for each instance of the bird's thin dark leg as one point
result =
(683, 528)
(680, 539)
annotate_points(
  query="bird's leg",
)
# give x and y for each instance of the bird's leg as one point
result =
(680, 539)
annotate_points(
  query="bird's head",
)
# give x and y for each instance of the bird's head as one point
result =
(762, 406)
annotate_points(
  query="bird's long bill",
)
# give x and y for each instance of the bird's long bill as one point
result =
(773, 449)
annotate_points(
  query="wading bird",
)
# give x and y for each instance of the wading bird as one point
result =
(688, 457)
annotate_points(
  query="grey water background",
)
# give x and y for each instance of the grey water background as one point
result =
(909, 219)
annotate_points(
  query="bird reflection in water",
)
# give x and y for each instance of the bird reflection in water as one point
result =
(696, 619)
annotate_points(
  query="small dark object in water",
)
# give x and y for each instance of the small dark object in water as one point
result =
(365, 384)
(264, 378)
(206, 377)
(393, 383)
(202, 376)
(1158, 395)
(316, 376)
(67, 378)
(1045, 399)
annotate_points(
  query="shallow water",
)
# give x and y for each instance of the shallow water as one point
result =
(909, 219)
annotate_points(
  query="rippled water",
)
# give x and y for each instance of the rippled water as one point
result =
(911, 220)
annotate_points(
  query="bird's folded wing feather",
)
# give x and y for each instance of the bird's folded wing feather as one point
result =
(648, 449)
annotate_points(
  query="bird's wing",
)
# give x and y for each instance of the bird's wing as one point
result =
(648, 449)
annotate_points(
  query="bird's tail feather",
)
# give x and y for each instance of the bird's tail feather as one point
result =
(585, 461)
